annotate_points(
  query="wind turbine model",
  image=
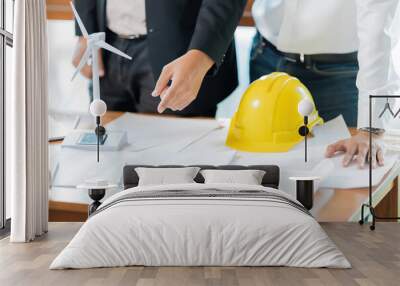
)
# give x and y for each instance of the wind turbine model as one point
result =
(95, 42)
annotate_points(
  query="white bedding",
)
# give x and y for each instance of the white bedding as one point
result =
(200, 231)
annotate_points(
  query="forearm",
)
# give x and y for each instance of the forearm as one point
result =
(216, 24)
(374, 56)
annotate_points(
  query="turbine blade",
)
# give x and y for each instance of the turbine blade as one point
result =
(79, 21)
(110, 48)
(82, 63)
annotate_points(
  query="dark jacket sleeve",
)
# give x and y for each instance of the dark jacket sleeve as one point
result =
(87, 11)
(215, 26)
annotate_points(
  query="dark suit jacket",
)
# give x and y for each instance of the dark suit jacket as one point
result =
(174, 27)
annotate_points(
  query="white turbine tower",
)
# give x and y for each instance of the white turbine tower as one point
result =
(95, 42)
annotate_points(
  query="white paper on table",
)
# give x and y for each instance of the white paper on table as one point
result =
(115, 141)
(58, 127)
(292, 163)
(328, 133)
(76, 166)
(208, 147)
(61, 124)
(146, 132)
(323, 169)
(323, 135)
(213, 142)
(354, 177)
(190, 156)
(160, 141)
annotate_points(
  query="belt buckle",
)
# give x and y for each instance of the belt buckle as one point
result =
(130, 37)
(290, 59)
(133, 37)
(307, 61)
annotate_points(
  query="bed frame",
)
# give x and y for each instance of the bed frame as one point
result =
(270, 179)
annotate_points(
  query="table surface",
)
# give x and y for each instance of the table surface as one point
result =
(333, 204)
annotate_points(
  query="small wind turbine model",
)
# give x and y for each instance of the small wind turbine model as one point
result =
(95, 42)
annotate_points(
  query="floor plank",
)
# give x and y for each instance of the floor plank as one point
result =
(375, 257)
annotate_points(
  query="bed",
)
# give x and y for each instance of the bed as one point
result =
(199, 224)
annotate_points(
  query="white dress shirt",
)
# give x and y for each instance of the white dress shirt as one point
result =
(126, 17)
(308, 26)
(378, 55)
(340, 26)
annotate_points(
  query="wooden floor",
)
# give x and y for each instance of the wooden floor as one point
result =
(375, 257)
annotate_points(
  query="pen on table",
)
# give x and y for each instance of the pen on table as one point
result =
(56, 139)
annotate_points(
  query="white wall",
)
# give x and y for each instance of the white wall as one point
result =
(64, 95)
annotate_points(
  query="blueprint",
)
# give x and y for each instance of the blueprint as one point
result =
(158, 140)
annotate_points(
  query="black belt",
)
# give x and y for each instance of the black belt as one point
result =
(127, 37)
(131, 37)
(308, 60)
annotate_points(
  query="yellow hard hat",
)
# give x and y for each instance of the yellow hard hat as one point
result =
(267, 119)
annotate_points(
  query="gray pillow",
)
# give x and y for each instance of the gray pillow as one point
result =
(247, 177)
(166, 176)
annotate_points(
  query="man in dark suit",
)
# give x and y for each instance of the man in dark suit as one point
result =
(186, 44)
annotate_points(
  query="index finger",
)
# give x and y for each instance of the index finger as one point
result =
(162, 82)
(336, 147)
(167, 98)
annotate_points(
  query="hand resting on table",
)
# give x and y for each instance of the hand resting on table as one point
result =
(356, 149)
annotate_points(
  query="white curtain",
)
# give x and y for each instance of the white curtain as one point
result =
(26, 123)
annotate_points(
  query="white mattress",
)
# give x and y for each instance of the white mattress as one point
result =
(200, 231)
